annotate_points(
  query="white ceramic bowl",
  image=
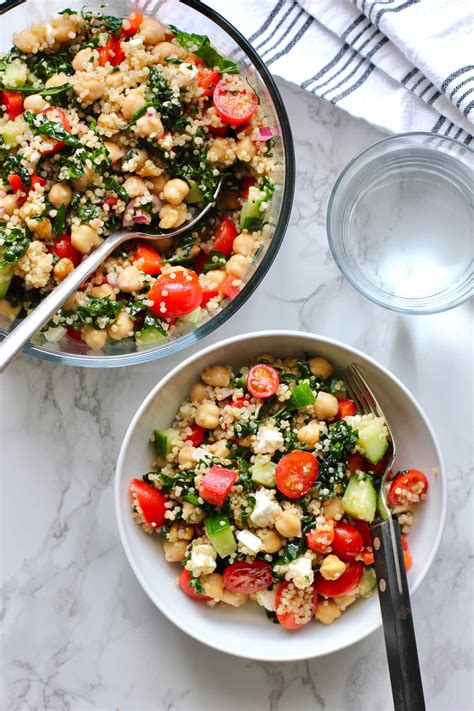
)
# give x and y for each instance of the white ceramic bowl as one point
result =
(246, 631)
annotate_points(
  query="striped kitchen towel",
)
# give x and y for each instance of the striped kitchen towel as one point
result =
(403, 65)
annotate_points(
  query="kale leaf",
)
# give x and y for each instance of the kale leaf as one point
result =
(162, 98)
(98, 21)
(88, 212)
(39, 124)
(15, 244)
(201, 45)
(337, 443)
(59, 220)
(44, 64)
(98, 313)
(12, 165)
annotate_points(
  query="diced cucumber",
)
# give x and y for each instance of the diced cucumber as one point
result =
(220, 534)
(15, 74)
(6, 276)
(193, 317)
(251, 216)
(263, 473)
(383, 511)
(240, 382)
(367, 583)
(373, 438)
(192, 499)
(360, 499)
(149, 337)
(195, 193)
(301, 396)
(12, 130)
(163, 440)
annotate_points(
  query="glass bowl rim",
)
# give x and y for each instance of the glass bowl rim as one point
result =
(145, 356)
(340, 262)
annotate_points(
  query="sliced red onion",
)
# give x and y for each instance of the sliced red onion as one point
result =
(156, 202)
(224, 393)
(141, 219)
(267, 132)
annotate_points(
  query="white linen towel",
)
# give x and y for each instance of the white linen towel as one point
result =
(403, 65)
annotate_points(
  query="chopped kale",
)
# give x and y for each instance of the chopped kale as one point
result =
(45, 64)
(98, 313)
(244, 428)
(88, 212)
(195, 584)
(217, 260)
(271, 614)
(337, 443)
(12, 165)
(41, 125)
(15, 243)
(97, 21)
(161, 97)
(201, 45)
(183, 251)
(52, 91)
(112, 184)
(59, 220)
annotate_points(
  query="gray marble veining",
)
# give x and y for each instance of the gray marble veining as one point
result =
(79, 632)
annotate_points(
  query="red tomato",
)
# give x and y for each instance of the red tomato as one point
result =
(234, 100)
(406, 484)
(175, 294)
(196, 436)
(247, 578)
(13, 100)
(75, 335)
(408, 560)
(367, 556)
(296, 473)
(110, 202)
(208, 295)
(60, 117)
(200, 261)
(295, 608)
(17, 186)
(364, 530)
(36, 180)
(346, 409)
(148, 260)
(207, 80)
(404, 543)
(133, 23)
(347, 543)
(216, 485)
(218, 130)
(381, 466)
(186, 587)
(194, 59)
(151, 502)
(263, 380)
(320, 537)
(247, 183)
(111, 52)
(346, 583)
(356, 463)
(224, 236)
(63, 248)
(229, 288)
(240, 402)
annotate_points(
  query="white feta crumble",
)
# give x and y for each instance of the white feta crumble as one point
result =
(200, 454)
(267, 440)
(250, 543)
(300, 572)
(203, 559)
(265, 598)
(266, 510)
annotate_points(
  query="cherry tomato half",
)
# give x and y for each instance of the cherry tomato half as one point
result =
(111, 52)
(151, 502)
(296, 473)
(197, 435)
(347, 543)
(320, 537)
(346, 583)
(356, 463)
(346, 409)
(13, 100)
(263, 380)
(248, 578)
(207, 80)
(406, 485)
(294, 607)
(175, 294)
(63, 249)
(185, 585)
(216, 485)
(234, 100)
(148, 260)
(247, 183)
(131, 24)
(224, 236)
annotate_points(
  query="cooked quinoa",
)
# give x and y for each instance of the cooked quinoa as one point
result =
(265, 486)
(109, 123)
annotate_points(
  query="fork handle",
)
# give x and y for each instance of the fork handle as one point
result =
(395, 606)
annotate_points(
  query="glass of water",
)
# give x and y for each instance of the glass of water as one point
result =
(400, 223)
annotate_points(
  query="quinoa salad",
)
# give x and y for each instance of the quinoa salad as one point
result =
(265, 487)
(108, 123)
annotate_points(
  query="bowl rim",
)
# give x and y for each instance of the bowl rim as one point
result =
(189, 339)
(254, 335)
(404, 309)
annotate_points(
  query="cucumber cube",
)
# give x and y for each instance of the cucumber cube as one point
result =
(360, 499)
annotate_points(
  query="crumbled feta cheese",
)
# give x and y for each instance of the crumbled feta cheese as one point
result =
(251, 544)
(265, 511)
(265, 598)
(300, 572)
(200, 454)
(203, 559)
(268, 440)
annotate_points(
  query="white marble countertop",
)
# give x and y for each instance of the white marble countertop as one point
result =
(79, 631)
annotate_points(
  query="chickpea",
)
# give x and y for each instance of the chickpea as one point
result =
(219, 449)
(212, 280)
(150, 125)
(175, 552)
(150, 169)
(217, 376)
(333, 509)
(60, 194)
(136, 162)
(102, 292)
(135, 186)
(288, 524)
(35, 103)
(115, 152)
(130, 279)
(233, 598)
(75, 300)
(175, 191)
(64, 27)
(163, 244)
(343, 601)
(133, 102)
(244, 245)
(245, 149)
(57, 80)
(87, 88)
(265, 356)
(63, 268)
(180, 532)
(94, 337)
(320, 367)
(185, 457)
(151, 31)
(207, 416)
(327, 611)
(42, 228)
(115, 79)
(237, 265)
(213, 585)
(85, 59)
(290, 362)
(84, 238)
(326, 406)
(9, 204)
(271, 541)
(172, 216)
(167, 49)
(192, 513)
(110, 123)
(199, 392)
(332, 567)
(89, 178)
(309, 434)
(29, 40)
(159, 183)
(122, 327)
(221, 151)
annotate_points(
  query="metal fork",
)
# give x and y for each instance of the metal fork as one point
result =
(394, 596)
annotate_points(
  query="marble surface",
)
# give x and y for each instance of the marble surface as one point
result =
(79, 632)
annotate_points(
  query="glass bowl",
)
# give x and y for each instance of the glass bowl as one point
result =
(400, 225)
(192, 16)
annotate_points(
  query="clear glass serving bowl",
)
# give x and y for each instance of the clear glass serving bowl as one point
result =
(400, 223)
(192, 16)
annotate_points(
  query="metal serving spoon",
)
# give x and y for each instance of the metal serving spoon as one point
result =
(16, 339)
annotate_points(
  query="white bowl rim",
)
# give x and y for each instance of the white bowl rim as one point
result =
(182, 366)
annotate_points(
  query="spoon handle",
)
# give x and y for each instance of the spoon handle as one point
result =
(16, 339)
(395, 606)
